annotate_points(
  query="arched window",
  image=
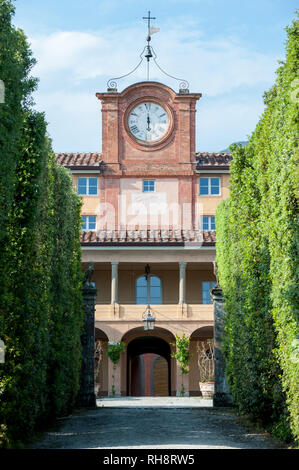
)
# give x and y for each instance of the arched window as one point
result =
(148, 290)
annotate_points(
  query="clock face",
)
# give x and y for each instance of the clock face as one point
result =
(148, 122)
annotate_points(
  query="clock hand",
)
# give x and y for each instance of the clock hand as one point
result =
(148, 123)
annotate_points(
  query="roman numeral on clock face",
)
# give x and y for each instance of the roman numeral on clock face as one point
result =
(134, 129)
(148, 121)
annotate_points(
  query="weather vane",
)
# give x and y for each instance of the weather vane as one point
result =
(149, 18)
(151, 31)
(149, 53)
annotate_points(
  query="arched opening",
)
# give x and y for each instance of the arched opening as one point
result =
(100, 363)
(202, 361)
(148, 367)
(203, 333)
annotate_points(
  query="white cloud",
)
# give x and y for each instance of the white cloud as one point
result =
(217, 65)
(73, 65)
(74, 120)
(64, 51)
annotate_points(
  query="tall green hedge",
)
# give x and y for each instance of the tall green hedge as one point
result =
(25, 307)
(16, 62)
(66, 282)
(257, 255)
(41, 315)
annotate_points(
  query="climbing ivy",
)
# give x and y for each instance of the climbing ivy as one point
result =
(113, 352)
(182, 355)
(257, 255)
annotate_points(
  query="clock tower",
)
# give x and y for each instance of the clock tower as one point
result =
(148, 215)
(148, 129)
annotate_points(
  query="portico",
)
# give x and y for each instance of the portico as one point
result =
(176, 301)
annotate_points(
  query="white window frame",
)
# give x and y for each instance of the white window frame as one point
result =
(148, 288)
(87, 229)
(209, 178)
(209, 222)
(143, 181)
(87, 185)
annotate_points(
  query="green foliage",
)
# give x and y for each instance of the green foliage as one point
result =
(25, 305)
(182, 354)
(64, 362)
(41, 314)
(257, 255)
(114, 351)
(15, 64)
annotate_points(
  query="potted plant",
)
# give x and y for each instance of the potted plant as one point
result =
(206, 367)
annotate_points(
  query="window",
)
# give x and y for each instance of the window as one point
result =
(208, 222)
(209, 186)
(88, 186)
(89, 222)
(206, 286)
(148, 186)
(148, 291)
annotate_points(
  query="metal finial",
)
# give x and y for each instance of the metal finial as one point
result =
(149, 53)
(88, 275)
(148, 18)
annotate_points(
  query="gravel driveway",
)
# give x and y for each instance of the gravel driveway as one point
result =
(154, 428)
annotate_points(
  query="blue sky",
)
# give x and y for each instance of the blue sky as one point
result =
(228, 50)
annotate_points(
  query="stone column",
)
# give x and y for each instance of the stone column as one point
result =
(222, 396)
(86, 396)
(182, 282)
(114, 282)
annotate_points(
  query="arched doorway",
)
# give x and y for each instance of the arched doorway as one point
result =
(148, 367)
(201, 347)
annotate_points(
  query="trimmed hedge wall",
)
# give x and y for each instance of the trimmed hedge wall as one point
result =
(16, 62)
(66, 287)
(41, 316)
(257, 257)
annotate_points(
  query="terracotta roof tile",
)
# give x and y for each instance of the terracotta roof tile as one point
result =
(205, 159)
(78, 159)
(147, 237)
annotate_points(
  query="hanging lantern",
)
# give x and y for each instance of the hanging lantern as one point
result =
(148, 319)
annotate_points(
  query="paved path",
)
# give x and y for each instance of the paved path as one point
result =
(154, 424)
(154, 402)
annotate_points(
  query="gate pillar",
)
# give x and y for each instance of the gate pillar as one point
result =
(86, 396)
(222, 396)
